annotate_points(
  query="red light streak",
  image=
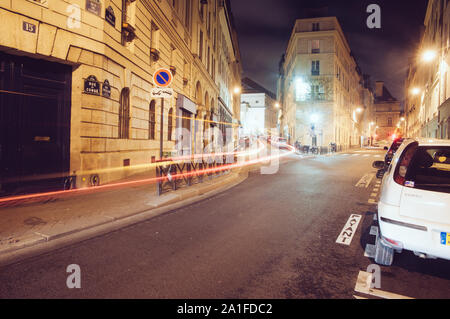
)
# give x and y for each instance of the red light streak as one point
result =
(150, 180)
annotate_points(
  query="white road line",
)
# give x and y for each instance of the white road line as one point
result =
(374, 231)
(363, 285)
(365, 180)
(369, 252)
(349, 230)
(366, 155)
(375, 217)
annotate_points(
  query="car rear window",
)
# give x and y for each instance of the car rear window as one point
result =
(429, 169)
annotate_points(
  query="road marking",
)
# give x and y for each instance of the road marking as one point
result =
(374, 231)
(374, 195)
(375, 217)
(377, 156)
(358, 297)
(364, 283)
(366, 155)
(349, 230)
(371, 201)
(365, 180)
(369, 252)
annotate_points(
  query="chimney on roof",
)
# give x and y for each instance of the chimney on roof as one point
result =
(379, 85)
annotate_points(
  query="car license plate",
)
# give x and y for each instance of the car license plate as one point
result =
(445, 239)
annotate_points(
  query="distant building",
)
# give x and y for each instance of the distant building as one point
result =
(259, 110)
(387, 113)
(320, 86)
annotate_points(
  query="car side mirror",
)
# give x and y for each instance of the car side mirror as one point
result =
(378, 165)
(386, 148)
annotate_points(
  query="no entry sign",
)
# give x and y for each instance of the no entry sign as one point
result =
(162, 78)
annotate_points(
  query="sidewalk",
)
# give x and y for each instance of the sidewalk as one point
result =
(32, 224)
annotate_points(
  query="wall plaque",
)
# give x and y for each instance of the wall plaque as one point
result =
(93, 6)
(91, 85)
(106, 89)
(110, 17)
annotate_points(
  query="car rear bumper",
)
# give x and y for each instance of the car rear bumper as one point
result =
(410, 234)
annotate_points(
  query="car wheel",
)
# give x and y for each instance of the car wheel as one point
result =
(384, 255)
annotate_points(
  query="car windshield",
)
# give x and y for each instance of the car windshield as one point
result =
(430, 169)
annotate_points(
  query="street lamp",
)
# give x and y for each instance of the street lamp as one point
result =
(237, 90)
(277, 105)
(429, 55)
(415, 91)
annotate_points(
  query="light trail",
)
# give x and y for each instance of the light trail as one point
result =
(145, 181)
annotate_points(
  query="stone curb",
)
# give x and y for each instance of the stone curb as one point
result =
(184, 198)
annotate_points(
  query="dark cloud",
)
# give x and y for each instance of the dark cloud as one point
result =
(265, 26)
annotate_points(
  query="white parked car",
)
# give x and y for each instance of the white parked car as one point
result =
(414, 207)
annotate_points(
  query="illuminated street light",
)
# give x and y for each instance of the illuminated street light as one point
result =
(402, 119)
(359, 110)
(314, 118)
(415, 91)
(237, 90)
(429, 55)
(277, 105)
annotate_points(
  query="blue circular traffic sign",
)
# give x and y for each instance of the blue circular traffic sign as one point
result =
(162, 78)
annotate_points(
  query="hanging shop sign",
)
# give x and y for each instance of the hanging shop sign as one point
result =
(93, 6)
(106, 89)
(110, 17)
(91, 85)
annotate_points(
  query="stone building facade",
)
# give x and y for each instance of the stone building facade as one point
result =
(427, 105)
(320, 86)
(82, 73)
(387, 114)
(259, 109)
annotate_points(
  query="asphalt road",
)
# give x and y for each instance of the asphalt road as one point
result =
(273, 236)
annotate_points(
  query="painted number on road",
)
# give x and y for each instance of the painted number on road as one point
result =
(349, 230)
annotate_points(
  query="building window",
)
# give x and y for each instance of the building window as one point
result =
(390, 121)
(315, 46)
(124, 114)
(315, 68)
(152, 121)
(200, 46)
(187, 16)
(170, 125)
(316, 26)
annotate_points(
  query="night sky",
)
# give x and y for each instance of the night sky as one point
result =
(264, 28)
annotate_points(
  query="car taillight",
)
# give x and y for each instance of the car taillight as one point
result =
(391, 241)
(404, 161)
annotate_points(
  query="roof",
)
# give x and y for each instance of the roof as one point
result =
(250, 86)
(385, 97)
(423, 141)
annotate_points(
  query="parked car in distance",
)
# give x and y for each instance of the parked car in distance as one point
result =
(391, 151)
(414, 206)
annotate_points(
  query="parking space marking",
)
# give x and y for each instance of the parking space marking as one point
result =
(374, 230)
(364, 283)
(349, 230)
(365, 180)
(369, 252)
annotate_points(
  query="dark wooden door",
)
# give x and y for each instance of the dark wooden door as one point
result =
(34, 124)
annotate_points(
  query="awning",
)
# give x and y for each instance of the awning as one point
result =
(184, 103)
